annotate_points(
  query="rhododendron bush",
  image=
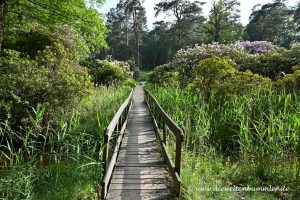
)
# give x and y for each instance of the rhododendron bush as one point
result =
(258, 57)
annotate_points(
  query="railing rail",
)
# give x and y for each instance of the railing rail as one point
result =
(163, 121)
(117, 124)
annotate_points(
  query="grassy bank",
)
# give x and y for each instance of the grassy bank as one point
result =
(144, 75)
(63, 162)
(248, 140)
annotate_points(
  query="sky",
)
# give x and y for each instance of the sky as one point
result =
(246, 6)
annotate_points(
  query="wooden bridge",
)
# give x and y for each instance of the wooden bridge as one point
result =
(137, 164)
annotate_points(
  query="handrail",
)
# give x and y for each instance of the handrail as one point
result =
(117, 124)
(162, 120)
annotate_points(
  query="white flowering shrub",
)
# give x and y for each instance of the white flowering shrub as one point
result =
(259, 57)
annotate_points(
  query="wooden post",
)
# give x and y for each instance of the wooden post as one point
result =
(178, 153)
(157, 116)
(105, 151)
(154, 111)
(165, 132)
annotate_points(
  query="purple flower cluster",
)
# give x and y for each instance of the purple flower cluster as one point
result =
(256, 46)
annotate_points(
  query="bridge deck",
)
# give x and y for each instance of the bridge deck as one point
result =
(140, 172)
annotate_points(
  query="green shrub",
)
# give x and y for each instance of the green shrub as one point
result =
(290, 82)
(211, 73)
(245, 82)
(111, 72)
(108, 73)
(270, 64)
(218, 75)
(262, 58)
(50, 79)
(164, 75)
(36, 38)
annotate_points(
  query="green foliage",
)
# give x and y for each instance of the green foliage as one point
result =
(144, 75)
(51, 79)
(188, 20)
(263, 59)
(39, 37)
(164, 75)
(86, 21)
(272, 22)
(157, 46)
(256, 134)
(211, 73)
(273, 63)
(218, 76)
(127, 22)
(245, 82)
(107, 73)
(223, 24)
(64, 162)
(290, 82)
(111, 73)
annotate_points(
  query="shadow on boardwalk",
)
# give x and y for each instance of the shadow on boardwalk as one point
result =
(140, 172)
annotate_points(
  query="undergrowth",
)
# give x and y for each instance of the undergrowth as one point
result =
(59, 162)
(244, 140)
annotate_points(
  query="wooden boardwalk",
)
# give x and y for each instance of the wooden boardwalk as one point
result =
(140, 172)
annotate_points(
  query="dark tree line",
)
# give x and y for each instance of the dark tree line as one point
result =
(130, 38)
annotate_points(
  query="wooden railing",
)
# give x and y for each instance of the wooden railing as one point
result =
(163, 121)
(117, 126)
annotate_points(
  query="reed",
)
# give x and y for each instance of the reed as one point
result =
(258, 132)
(43, 160)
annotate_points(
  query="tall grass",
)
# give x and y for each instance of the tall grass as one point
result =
(257, 134)
(59, 161)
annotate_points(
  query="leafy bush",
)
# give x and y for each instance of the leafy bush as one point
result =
(186, 60)
(50, 79)
(109, 73)
(218, 75)
(256, 46)
(291, 82)
(211, 73)
(270, 64)
(133, 68)
(246, 82)
(164, 75)
(64, 163)
(39, 37)
(259, 57)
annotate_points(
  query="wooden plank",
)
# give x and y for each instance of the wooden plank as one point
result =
(155, 164)
(143, 186)
(139, 170)
(132, 159)
(140, 194)
(139, 133)
(134, 151)
(140, 148)
(139, 157)
(140, 181)
(144, 143)
(142, 138)
(140, 176)
(138, 153)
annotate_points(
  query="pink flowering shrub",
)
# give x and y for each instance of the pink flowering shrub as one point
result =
(256, 46)
(259, 57)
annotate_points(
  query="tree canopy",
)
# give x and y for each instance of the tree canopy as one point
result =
(18, 15)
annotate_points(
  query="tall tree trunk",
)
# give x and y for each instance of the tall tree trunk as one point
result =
(3, 7)
(136, 33)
